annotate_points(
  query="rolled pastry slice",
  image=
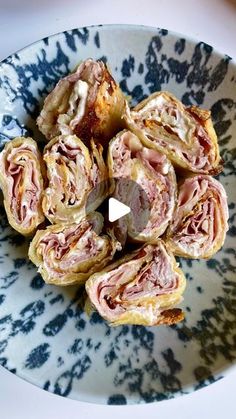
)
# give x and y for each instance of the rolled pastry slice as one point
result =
(72, 172)
(141, 288)
(151, 193)
(22, 184)
(185, 134)
(199, 222)
(87, 103)
(69, 254)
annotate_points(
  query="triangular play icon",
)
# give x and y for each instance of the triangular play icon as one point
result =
(116, 209)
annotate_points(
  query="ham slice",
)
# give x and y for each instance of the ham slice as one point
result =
(184, 134)
(87, 103)
(145, 181)
(73, 172)
(143, 287)
(69, 254)
(200, 220)
(22, 184)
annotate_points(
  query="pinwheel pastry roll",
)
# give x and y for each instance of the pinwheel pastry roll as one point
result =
(144, 180)
(142, 288)
(87, 103)
(73, 172)
(69, 254)
(200, 220)
(185, 134)
(22, 184)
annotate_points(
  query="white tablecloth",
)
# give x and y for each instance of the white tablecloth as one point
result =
(25, 21)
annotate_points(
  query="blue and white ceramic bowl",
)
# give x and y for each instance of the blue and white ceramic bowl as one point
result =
(45, 337)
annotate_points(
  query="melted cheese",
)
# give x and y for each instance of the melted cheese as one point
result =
(180, 123)
(80, 92)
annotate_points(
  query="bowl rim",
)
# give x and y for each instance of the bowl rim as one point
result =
(122, 26)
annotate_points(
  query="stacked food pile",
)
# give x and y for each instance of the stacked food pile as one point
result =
(97, 143)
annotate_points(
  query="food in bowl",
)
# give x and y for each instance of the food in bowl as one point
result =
(163, 140)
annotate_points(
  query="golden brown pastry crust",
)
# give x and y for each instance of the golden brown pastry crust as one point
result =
(91, 109)
(199, 223)
(69, 254)
(21, 180)
(73, 172)
(185, 134)
(142, 288)
(153, 172)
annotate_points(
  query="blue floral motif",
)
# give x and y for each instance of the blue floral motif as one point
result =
(38, 356)
(77, 34)
(180, 46)
(37, 282)
(64, 382)
(10, 128)
(117, 399)
(97, 40)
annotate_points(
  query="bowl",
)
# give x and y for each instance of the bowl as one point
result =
(45, 337)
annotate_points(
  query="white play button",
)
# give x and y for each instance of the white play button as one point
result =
(126, 210)
(116, 209)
